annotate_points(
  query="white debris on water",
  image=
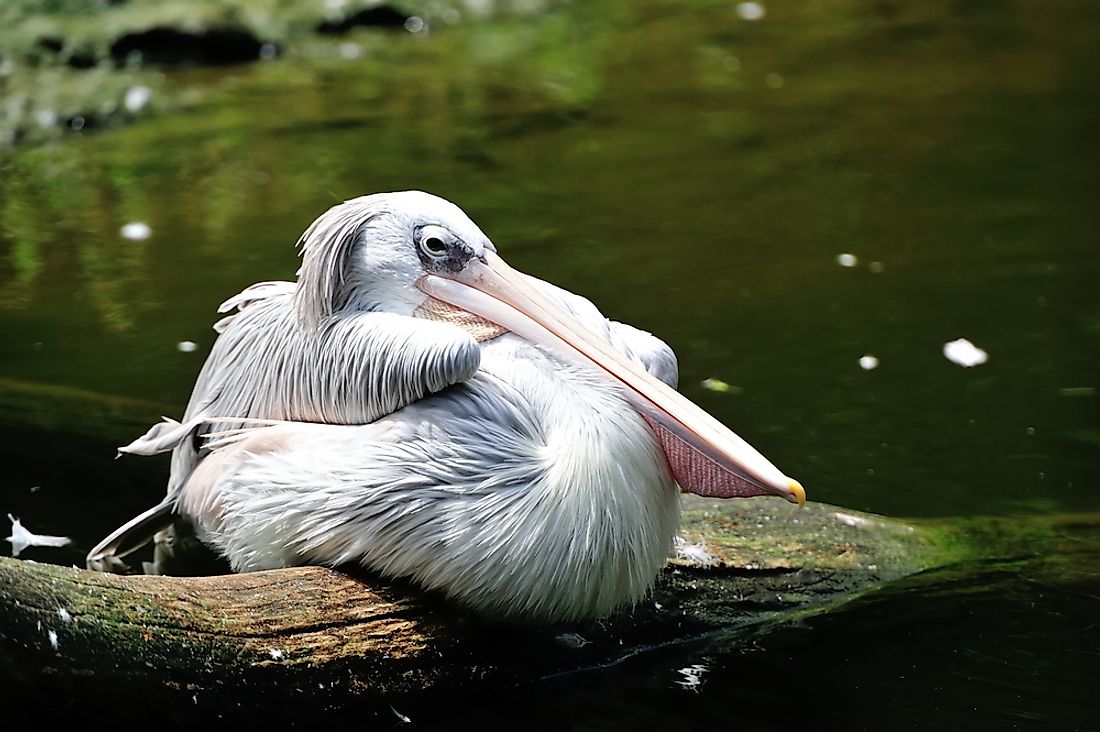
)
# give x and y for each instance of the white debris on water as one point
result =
(137, 98)
(964, 353)
(751, 11)
(52, 635)
(46, 118)
(350, 51)
(719, 386)
(847, 260)
(276, 654)
(694, 554)
(692, 676)
(64, 615)
(136, 231)
(868, 362)
(400, 716)
(186, 346)
(21, 538)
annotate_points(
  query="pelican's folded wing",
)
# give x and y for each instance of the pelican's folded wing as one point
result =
(354, 369)
(647, 349)
(357, 367)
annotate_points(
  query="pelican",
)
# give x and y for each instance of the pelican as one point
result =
(414, 405)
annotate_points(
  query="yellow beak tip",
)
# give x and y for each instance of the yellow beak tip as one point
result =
(798, 493)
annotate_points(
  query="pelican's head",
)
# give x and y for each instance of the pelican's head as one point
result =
(368, 253)
(399, 251)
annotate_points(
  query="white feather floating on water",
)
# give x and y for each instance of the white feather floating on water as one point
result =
(136, 98)
(136, 231)
(750, 11)
(964, 353)
(21, 538)
(868, 362)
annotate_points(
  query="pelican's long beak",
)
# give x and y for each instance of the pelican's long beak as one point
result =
(704, 455)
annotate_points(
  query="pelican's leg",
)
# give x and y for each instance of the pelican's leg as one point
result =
(179, 553)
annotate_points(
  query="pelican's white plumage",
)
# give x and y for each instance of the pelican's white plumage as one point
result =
(515, 479)
(502, 492)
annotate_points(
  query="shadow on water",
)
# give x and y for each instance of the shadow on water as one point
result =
(698, 175)
(980, 644)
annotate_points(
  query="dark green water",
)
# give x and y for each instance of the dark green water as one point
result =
(697, 175)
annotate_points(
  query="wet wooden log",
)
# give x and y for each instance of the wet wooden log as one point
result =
(308, 636)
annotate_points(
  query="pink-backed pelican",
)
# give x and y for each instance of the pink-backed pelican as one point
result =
(414, 405)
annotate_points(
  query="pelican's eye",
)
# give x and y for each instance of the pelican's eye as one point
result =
(434, 241)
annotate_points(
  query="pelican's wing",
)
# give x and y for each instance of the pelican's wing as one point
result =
(647, 349)
(296, 493)
(654, 355)
(356, 368)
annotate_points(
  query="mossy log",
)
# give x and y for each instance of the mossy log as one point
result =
(306, 638)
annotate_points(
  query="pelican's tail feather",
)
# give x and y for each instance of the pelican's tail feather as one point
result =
(106, 556)
(162, 437)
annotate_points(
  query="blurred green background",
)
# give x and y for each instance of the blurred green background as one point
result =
(696, 169)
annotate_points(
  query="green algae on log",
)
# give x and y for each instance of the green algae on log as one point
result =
(314, 636)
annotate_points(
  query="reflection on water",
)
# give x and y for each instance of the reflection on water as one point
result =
(975, 662)
(807, 205)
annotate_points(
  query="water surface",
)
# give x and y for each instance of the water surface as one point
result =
(697, 175)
